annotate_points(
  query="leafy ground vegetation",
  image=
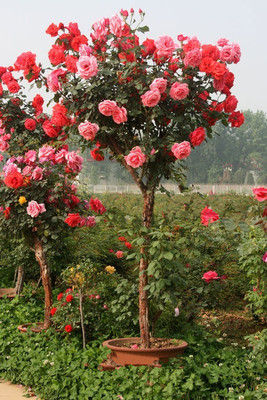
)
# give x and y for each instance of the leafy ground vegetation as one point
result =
(221, 320)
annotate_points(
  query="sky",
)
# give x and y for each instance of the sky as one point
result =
(23, 25)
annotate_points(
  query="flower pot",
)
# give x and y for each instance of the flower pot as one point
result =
(36, 327)
(126, 351)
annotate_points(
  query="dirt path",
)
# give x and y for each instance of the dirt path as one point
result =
(12, 392)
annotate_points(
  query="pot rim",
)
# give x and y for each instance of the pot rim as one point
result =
(108, 344)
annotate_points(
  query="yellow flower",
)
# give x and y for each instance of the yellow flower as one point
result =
(22, 200)
(110, 269)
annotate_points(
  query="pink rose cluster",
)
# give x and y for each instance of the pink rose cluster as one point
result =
(136, 158)
(72, 159)
(34, 209)
(152, 97)
(110, 108)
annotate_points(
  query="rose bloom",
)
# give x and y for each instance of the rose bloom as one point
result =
(50, 130)
(52, 30)
(69, 298)
(87, 66)
(56, 54)
(88, 130)
(119, 115)
(27, 170)
(160, 84)
(13, 86)
(116, 25)
(260, 193)
(73, 220)
(165, 46)
(193, 58)
(46, 153)
(107, 107)
(74, 161)
(71, 63)
(236, 119)
(14, 180)
(68, 328)
(30, 157)
(110, 269)
(97, 206)
(181, 150)
(53, 311)
(37, 174)
(52, 79)
(30, 124)
(197, 136)
(3, 145)
(264, 257)
(22, 200)
(90, 221)
(151, 98)
(59, 116)
(119, 254)
(59, 296)
(230, 104)
(210, 276)
(208, 216)
(179, 91)
(34, 209)
(135, 158)
(97, 154)
(218, 70)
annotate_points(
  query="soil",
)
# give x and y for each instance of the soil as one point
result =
(155, 343)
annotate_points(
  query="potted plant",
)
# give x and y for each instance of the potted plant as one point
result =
(145, 103)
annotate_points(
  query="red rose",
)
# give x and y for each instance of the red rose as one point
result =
(97, 154)
(230, 104)
(59, 116)
(73, 220)
(208, 216)
(122, 239)
(236, 119)
(50, 130)
(260, 193)
(69, 298)
(210, 51)
(149, 47)
(37, 102)
(197, 136)
(59, 296)
(70, 63)
(53, 311)
(68, 328)
(13, 86)
(56, 54)
(206, 65)
(128, 245)
(14, 180)
(77, 41)
(6, 213)
(30, 124)
(218, 70)
(52, 30)
(97, 206)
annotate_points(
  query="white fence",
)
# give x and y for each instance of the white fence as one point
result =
(215, 189)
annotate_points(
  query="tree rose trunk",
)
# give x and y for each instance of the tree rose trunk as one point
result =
(46, 281)
(143, 280)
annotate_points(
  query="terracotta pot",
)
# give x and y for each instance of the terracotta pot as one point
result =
(121, 356)
(36, 327)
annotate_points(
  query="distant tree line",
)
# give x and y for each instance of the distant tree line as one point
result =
(233, 156)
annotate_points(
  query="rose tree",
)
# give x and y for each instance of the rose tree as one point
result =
(148, 103)
(37, 190)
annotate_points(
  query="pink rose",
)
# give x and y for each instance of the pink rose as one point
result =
(160, 84)
(230, 53)
(107, 107)
(3, 145)
(27, 170)
(87, 66)
(88, 130)
(181, 150)
(222, 42)
(179, 91)
(264, 257)
(165, 46)
(119, 254)
(85, 50)
(74, 161)
(10, 168)
(90, 221)
(210, 276)
(193, 58)
(30, 157)
(34, 209)
(151, 98)
(135, 158)
(37, 174)
(60, 156)
(260, 193)
(46, 153)
(52, 79)
(119, 115)
(100, 30)
(116, 25)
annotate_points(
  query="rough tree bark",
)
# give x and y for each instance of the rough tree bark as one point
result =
(143, 279)
(46, 281)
